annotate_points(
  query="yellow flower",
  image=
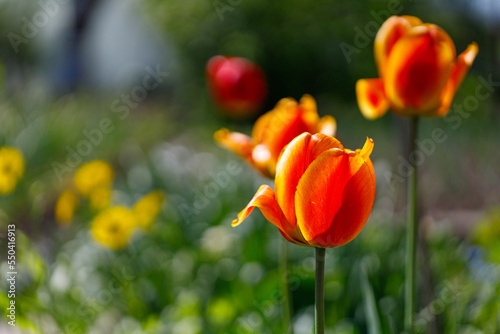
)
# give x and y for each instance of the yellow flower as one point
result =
(11, 169)
(148, 207)
(113, 227)
(93, 175)
(65, 207)
(100, 197)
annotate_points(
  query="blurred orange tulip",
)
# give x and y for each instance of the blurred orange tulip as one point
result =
(274, 130)
(418, 68)
(237, 85)
(324, 193)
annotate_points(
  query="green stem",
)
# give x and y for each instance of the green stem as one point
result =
(287, 300)
(320, 291)
(411, 231)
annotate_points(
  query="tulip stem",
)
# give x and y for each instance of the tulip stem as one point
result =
(287, 300)
(411, 231)
(320, 291)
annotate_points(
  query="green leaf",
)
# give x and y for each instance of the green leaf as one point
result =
(372, 316)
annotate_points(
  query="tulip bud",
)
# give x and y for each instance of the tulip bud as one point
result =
(237, 85)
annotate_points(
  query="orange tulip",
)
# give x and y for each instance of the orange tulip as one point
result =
(324, 193)
(274, 130)
(418, 68)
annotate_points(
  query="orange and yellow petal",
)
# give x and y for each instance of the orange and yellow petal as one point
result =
(257, 155)
(236, 142)
(264, 199)
(272, 121)
(261, 126)
(367, 149)
(389, 33)
(263, 161)
(371, 97)
(458, 73)
(365, 153)
(309, 111)
(333, 220)
(287, 123)
(417, 70)
(359, 192)
(328, 126)
(293, 163)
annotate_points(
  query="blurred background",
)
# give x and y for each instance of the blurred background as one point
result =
(139, 67)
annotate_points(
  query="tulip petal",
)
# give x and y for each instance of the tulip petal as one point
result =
(417, 70)
(389, 33)
(293, 163)
(265, 200)
(309, 112)
(214, 64)
(365, 153)
(334, 198)
(237, 142)
(328, 126)
(266, 125)
(291, 124)
(285, 122)
(367, 149)
(372, 100)
(458, 73)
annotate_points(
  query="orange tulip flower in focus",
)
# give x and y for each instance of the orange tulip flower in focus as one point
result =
(418, 68)
(274, 130)
(237, 85)
(324, 193)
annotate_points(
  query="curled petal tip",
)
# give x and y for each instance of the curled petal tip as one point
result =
(470, 53)
(308, 102)
(459, 71)
(367, 149)
(220, 134)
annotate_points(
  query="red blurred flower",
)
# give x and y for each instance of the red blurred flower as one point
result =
(274, 130)
(418, 68)
(324, 193)
(237, 85)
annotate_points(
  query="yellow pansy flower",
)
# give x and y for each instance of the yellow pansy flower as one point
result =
(92, 175)
(113, 227)
(148, 207)
(11, 169)
(65, 207)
